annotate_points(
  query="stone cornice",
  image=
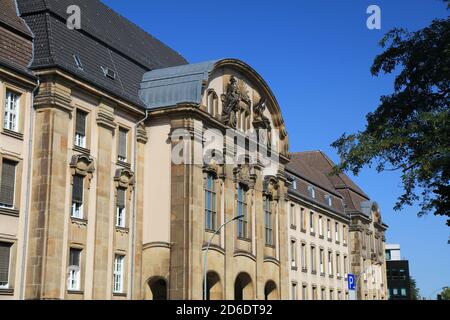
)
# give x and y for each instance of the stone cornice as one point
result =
(105, 117)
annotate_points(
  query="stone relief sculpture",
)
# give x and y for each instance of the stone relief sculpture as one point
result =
(235, 99)
(260, 121)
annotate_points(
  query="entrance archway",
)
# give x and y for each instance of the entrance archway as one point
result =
(243, 287)
(213, 286)
(158, 288)
(270, 291)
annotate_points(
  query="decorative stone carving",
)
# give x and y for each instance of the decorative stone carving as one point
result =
(260, 121)
(124, 178)
(235, 99)
(105, 116)
(245, 175)
(82, 165)
(271, 187)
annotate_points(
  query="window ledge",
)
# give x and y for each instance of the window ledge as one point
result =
(78, 221)
(337, 242)
(6, 292)
(244, 239)
(119, 294)
(12, 134)
(75, 292)
(304, 270)
(312, 233)
(122, 230)
(331, 276)
(303, 230)
(9, 211)
(313, 272)
(123, 164)
(82, 150)
(329, 239)
(294, 268)
(322, 274)
(271, 246)
(294, 227)
(211, 231)
(321, 237)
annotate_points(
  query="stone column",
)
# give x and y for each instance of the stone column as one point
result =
(138, 286)
(48, 202)
(106, 127)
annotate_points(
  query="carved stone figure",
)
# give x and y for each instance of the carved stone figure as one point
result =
(261, 121)
(235, 94)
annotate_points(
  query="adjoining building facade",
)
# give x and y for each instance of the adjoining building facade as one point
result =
(335, 229)
(397, 271)
(106, 189)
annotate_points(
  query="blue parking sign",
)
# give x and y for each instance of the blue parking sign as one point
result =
(351, 281)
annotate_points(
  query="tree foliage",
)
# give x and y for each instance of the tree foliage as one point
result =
(410, 129)
(445, 293)
(415, 292)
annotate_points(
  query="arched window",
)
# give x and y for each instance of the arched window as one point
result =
(242, 211)
(268, 222)
(212, 103)
(210, 203)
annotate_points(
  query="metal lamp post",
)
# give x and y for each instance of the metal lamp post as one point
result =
(205, 285)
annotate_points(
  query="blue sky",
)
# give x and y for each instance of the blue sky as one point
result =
(316, 56)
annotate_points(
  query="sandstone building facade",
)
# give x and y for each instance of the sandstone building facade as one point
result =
(106, 191)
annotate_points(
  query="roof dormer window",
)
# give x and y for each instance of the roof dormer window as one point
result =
(311, 192)
(328, 200)
(108, 72)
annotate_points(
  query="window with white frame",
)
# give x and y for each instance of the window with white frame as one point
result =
(336, 232)
(77, 197)
(345, 267)
(311, 222)
(293, 253)
(210, 203)
(331, 294)
(322, 265)
(73, 282)
(344, 234)
(80, 128)
(268, 222)
(320, 226)
(313, 259)
(292, 215)
(323, 294)
(242, 224)
(303, 256)
(303, 218)
(304, 292)
(330, 263)
(5, 253)
(328, 228)
(294, 184)
(314, 292)
(338, 265)
(118, 273)
(12, 111)
(121, 208)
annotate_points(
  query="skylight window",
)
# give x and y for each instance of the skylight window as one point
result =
(78, 61)
(110, 73)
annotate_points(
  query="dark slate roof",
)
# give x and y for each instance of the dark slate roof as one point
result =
(105, 39)
(316, 166)
(16, 47)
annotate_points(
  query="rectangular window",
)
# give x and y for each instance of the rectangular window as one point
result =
(304, 292)
(303, 218)
(122, 152)
(403, 292)
(242, 211)
(314, 292)
(328, 200)
(395, 292)
(330, 263)
(320, 226)
(344, 234)
(338, 265)
(292, 215)
(303, 253)
(331, 294)
(7, 187)
(293, 253)
(311, 222)
(118, 273)
(323, 294)
(77, 197)
(293, 291)
(74, 269)
(11, 114)
(80, 129)
(339, 295)
(268, 222)
(364, 270)
(322, 266)
(313, 259)
(5, 253)
(336, 232)
(210, 203)
(294, 184)
(329, 229)
(345, 267)
(121, 208)
(312, 192)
